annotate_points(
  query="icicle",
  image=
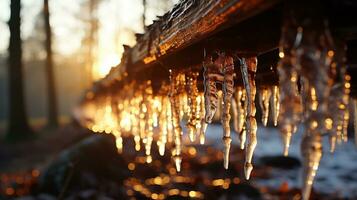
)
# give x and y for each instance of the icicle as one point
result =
(211, 76)
(228, 71)
(192, 94)
(312, 152)
(220, 70)
(250, 65)
(156, 109)
(264, 97)
(316, 90)
(182, 95)
(275, 105)
(339, 99)
(135, 112)
(163, 127)
(149, 121)
(202, 125)
(142, 115)
(175, 108)
(290, 100)
(308, 49)
(170, 129)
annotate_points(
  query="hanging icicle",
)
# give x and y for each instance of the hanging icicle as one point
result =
(275, 104)
(220, 70)
(149, 121)
(163, 125)
(211, 76)
(290, 100)
(175, 87)
(228, 71)
(135, 113)
(193, 104)
(248, 69)
(307, 50)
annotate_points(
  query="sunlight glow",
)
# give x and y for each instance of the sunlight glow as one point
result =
(104, 64)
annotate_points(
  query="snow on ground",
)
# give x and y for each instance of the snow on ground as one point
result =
(337, 173)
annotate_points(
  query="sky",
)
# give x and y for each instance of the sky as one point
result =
(118, 20)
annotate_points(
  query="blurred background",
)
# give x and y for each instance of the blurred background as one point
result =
(87, 40)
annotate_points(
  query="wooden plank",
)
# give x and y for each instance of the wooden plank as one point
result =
(189, 22)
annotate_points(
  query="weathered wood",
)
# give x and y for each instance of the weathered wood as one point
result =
(179, 39)
(190, 22)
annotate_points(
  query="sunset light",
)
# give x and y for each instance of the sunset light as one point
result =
(103, 65)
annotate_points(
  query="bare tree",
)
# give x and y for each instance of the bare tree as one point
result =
(18, 127)
(90, 41)
(51, 88)
(144, 14)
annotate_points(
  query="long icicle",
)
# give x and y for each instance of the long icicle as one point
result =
(149, 121)
(220, 70)
(135, 103)
(210, 93)
(314, 55)
(161, 143)
(250, 64)
(192, 94)
(228, 71)
(290, 100)
(175, 107)
(211, 75)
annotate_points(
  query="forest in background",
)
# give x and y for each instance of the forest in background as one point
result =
(100, 37)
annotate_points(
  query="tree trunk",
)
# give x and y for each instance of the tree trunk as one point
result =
(144, 14)
(92, 38)
(51, 88)
(18, 127)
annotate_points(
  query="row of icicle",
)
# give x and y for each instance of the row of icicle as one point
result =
(314, 89)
